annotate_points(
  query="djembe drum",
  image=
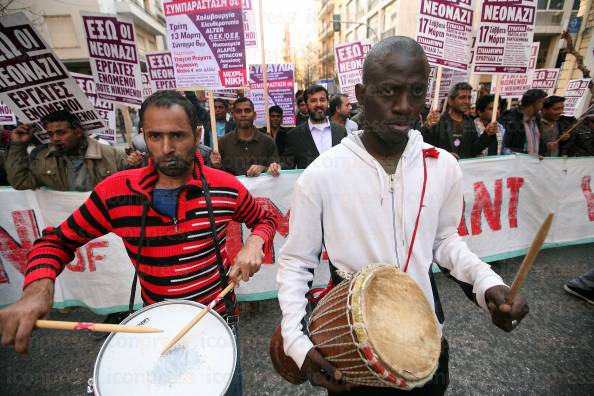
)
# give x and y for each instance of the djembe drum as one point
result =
(377, 328)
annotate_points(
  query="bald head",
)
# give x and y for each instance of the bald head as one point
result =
(389, 47)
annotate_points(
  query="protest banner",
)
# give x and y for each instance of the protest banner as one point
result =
(545, 79)
(114, 58)
(349, 59)
(249, 24)
(207, 43)
(281, 83)
(104, 107)
(504, 38)
(160, 70)
(7, 117)
(229, 95)
(34, 82)
(574, 94)
(505, 201)
(514, 85)
(147, 88)
(444, 30)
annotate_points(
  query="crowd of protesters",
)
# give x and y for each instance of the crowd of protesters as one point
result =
(73, 161)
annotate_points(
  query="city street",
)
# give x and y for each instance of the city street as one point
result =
(549, 353)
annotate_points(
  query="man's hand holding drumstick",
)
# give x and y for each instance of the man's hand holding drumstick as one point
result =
(507, 306)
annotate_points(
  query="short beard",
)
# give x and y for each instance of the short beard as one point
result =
(315, 117)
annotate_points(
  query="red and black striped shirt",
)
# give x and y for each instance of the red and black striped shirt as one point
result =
(178, 259)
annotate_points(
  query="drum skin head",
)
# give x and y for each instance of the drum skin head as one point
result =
(400, 323)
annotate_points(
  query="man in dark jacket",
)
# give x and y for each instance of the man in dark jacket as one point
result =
(554, 126)
(522, 133)
(310, 139)
(277, 132)
(455, 131)
(581, 142)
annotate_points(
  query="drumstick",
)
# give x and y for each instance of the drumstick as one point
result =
(100, 327)
(197, 318)
(539, 239)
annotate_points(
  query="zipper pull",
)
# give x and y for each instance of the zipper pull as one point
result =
(391, 183)
(175, 224)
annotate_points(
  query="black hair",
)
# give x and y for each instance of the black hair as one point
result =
(168, 99)
(483, 102)
(298, 93)
(551, 100)
(532, 96)
(335, 103)
(275, 109)
(300, 100)
(455, 90)
(312, 90)
(221, 100)
(61, 115)
(243, 99)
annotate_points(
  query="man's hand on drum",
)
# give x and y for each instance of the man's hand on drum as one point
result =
(504, 315)
(248, 260)
(321, 372)
(18, 320)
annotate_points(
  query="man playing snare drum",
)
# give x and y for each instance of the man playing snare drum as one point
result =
(373, 197)
(162, 214)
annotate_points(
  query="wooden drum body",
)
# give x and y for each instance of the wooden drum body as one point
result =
(378, 329)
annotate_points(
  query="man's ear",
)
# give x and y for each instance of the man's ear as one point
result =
(360, 92)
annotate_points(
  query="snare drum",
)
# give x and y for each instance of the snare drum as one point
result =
(202, 362)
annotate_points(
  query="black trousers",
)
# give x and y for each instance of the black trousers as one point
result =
(435, 387)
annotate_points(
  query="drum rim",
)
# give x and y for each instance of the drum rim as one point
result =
(168, 302)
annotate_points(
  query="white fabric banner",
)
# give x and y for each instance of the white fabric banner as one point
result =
(506, 200)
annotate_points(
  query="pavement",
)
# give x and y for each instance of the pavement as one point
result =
(551, 352)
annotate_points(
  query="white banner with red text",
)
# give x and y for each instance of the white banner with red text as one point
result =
(506, 199)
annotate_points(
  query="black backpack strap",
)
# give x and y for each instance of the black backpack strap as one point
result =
(230, 305)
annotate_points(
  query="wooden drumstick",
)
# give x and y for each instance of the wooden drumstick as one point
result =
(526, 265)
(197, 318)
(99, 327)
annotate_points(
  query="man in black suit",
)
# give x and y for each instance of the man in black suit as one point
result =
(308, 140)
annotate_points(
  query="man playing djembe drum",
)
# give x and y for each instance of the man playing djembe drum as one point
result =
(167, 214)
(383, 196)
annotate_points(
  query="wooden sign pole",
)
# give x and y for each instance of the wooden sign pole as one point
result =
(437, 85)
(213, 122)
(496, 101)
(127, 125)
(264, 69)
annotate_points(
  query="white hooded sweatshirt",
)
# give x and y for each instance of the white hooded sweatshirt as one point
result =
(346, 202)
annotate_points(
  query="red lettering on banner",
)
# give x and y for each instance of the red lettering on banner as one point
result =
(88, 252)
(234, 233)
(462, 229)
(483, 204)
(12, 251)
(587, 190)
(514, 184)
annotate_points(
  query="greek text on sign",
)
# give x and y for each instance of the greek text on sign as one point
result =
(207, 43)
(281, 85)
(349, 64)
(445, 30)
(104, 107)
(574, 94)
(160, 70)
(33, 81)
(114, 60)
(505, 34)
(545, 79)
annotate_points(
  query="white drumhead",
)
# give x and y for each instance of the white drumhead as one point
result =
(202, 362)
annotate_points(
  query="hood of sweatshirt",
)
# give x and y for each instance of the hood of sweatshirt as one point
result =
(412, 152)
